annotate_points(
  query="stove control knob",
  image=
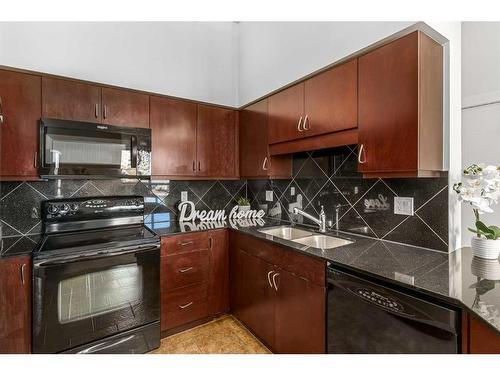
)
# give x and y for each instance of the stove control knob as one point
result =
(52, 209)
(64, 208)
(74, 207)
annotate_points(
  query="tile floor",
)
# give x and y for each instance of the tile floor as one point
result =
(222, 336)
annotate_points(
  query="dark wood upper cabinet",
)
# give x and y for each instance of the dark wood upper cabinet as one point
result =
(299, 301)
(286, 113)
(70, 100)
(218, 282)
(173, 127)
(216, 141)
(15, 305)
(125, 108)
(331, 100)
(401, 108)
(20, 108)
(255, 161)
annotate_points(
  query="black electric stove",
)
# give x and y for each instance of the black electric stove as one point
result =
(96, 278)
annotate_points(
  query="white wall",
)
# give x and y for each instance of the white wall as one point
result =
(273, 54)
(481, 104)
(195, 60)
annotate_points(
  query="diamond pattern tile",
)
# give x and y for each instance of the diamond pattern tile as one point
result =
(21, 208)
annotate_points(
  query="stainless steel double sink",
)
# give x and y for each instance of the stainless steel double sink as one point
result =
(305, 237)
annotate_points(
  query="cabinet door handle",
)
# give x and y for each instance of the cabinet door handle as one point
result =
(298, 125)
(186, 305)
(360, 154)
(105, 111)
(269, 278)
(186, 243)
(274, 281)
(305, 123)
(184, 270)
(210, 240)
(35, 159)
(199, 165)
(264, 164)
(194, 166)
(23, 279)
(1, 111)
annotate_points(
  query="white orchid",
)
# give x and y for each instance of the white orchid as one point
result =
(481, 189)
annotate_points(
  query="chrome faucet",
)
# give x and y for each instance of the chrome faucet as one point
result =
(321, 221)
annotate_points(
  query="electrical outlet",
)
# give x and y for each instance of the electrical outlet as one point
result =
(184, 196)
(269, 195)
(292, 191)
(403, 206)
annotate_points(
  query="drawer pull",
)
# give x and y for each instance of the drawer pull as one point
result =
(184, 270)
(186, 243)
(186, 305)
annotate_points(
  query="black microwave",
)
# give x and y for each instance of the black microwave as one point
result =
(70, 149)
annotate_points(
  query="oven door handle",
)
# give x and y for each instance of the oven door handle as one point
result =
(93, 255)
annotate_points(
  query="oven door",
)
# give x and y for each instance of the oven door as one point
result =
(70, 148)
(82, 299)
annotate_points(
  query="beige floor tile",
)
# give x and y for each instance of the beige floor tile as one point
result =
(222, 336)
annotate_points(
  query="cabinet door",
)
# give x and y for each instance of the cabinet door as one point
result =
(255, 302)
(70, 100)
(20, 107)
(331, 100)
(15, 305)
(482, 338)
(218, 284)
(254, 159)
(388, 106)
(286, 110)
(299, 315)
(216, 142)
(173, 128)
(125, 108)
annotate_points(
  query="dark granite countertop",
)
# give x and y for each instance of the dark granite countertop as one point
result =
(457, 278)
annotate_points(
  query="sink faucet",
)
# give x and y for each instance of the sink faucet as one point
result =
(321, 221)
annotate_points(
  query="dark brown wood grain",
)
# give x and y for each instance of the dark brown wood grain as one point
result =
(216, 142)
(70, 100)
(388, 106)
(173, 128)
(285, 110)
(218, 285)
(183, 305)
(184, 269)
(482, 338)
(15, 305)
(125, 108)
(21, 109)
(183, 243)
(299, 315)
(331, 100)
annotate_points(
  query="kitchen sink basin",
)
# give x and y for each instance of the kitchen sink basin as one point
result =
(322, 242)
(286, 232)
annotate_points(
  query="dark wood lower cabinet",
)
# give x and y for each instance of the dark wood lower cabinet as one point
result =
(218, 282)
(283, 308)
(300, 314)
(15, 305)
(478, 337)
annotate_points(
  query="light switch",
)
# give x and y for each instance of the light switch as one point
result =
(292, 191)
(184, 196)
(403, 206)
(269, 195)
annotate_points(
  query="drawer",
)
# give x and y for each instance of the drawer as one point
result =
(183, 305)
(184, 269)
(184, 243)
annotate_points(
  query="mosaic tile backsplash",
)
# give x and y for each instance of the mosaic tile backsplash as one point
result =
(327, 178)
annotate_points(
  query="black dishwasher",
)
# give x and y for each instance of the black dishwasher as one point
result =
(364, 317)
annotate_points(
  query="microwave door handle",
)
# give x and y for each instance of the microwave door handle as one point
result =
(133, 146)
